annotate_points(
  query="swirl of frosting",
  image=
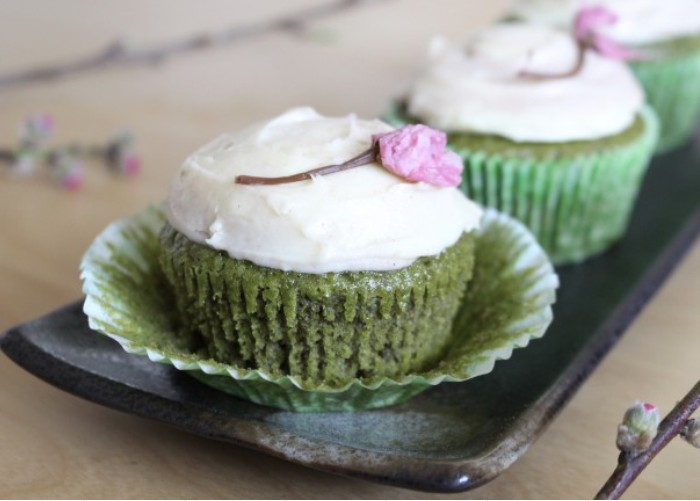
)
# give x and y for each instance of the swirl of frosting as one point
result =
(361, 219)
(480, 90)
(639, 21)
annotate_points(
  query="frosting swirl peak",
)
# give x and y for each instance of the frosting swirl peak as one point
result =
(479, 89)
(639, 21)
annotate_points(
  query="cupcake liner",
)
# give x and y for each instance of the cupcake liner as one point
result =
(322, 328)
(507, 304)
(577, 201)
(672, 87)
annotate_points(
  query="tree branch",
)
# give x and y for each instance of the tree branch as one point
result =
(119, 54)
(629, 467)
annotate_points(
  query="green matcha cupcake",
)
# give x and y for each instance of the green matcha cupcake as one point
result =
(671, 80)
(554, 136)
(666, 37)
(506, 305)
(337, 276)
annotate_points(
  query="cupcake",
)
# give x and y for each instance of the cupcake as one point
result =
(320, 264)
(285, 258)
(552, 134)
(665, 35)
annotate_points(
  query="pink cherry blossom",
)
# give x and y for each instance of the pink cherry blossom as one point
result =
(72, 180)
(67, 171)
(586, 25)
(590, 18)
(44, 122)
(36, 129)
(418, 153)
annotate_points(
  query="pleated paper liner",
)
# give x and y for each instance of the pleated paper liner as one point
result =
(575, 197)
(324, 328)
(672, 86)
(508, 303)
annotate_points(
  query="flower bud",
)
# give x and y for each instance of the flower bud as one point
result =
(587, 25)
(691, 432)
(36, 129)
(130, 165)
(67, 172)
(24, 163)
(638, 428)
(119, 156)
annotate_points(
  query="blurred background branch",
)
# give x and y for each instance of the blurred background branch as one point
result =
(119, 53)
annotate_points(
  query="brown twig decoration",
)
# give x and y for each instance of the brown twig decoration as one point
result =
(629, 465)
(119, 54)
(363, 158)
(581, 47)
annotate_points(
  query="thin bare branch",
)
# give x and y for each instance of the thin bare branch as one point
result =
(629, 467)
(119, 54)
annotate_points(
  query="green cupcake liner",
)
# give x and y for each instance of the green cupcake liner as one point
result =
(575, 197)
(672, 86)
(321, 328)
(507, 304)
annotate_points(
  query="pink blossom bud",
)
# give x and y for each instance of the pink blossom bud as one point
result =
(130, 165)
(37, 128)
(691, 432)
(44, 122)
(586, 25)
(119, 156)
(590, 18)
(638, 428)
(73, 180)
(67, 172)
(418, 153)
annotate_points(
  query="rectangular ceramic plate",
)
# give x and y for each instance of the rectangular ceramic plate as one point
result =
(451, 438)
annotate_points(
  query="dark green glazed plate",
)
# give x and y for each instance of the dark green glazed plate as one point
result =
(453, 437)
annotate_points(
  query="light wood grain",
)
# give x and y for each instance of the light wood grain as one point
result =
(55, 445)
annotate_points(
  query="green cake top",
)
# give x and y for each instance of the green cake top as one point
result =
(493, 144)
(675, 47)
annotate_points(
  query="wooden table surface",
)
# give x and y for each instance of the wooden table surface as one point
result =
(55, 445)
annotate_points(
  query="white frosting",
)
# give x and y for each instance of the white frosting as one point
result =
(360, 219)
(640, 21)
(479, 89)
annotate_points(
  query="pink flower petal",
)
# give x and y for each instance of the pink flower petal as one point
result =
(418, 153)
(131, 164)
(586, 25)
(590, 18)
(44, 122)
(72, 181)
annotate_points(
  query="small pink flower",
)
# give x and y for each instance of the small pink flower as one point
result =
(66, 171)
(72, 180)
(44, 122)
(37, 128)
(130, 165)
(418, 153)
(588, 21)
